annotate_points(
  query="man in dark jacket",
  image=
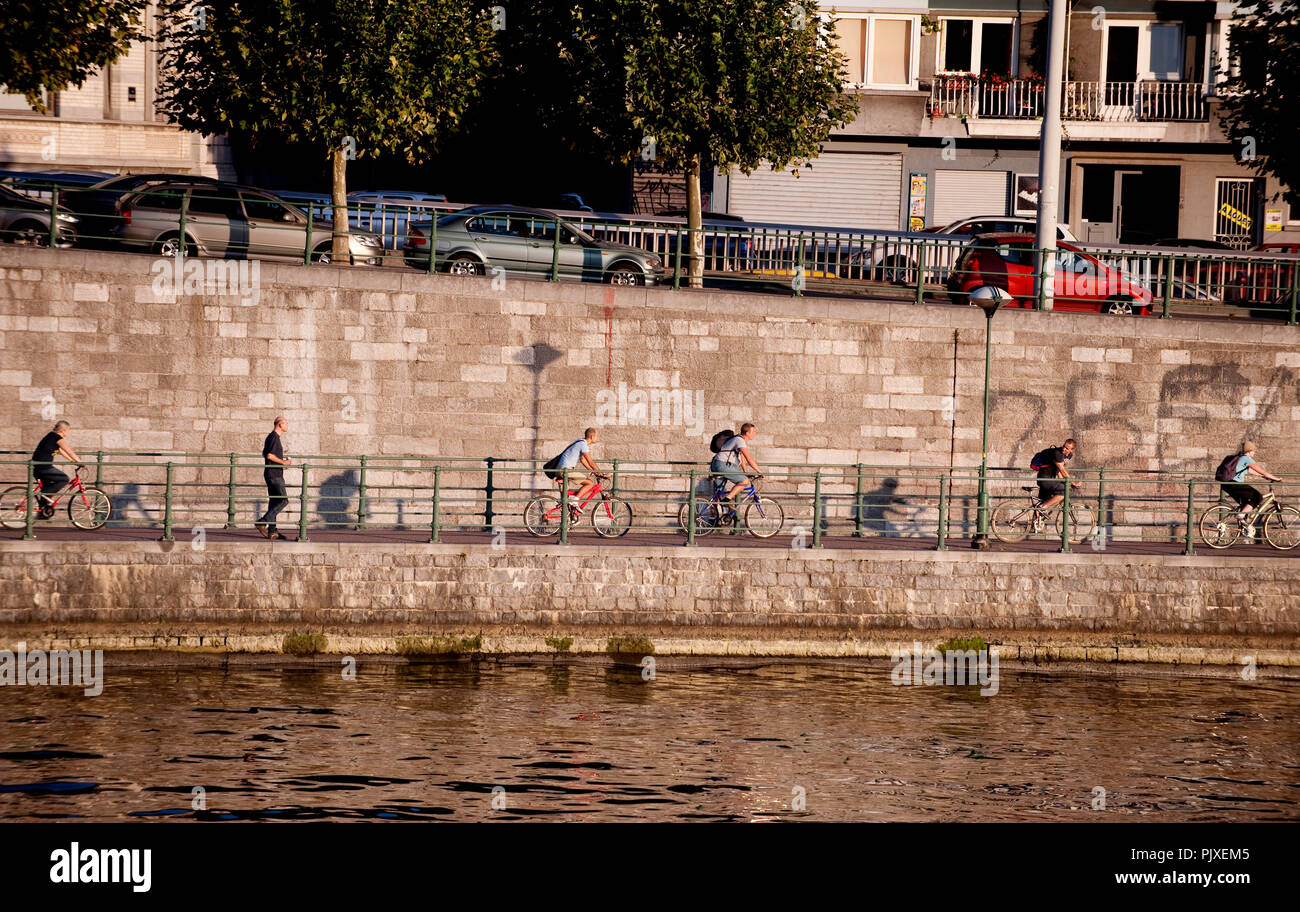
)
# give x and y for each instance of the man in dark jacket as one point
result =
(274, 459)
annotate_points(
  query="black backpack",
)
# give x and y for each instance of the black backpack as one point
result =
(1042, 459)
(552, 468)
(715, 445)
(1227, 470)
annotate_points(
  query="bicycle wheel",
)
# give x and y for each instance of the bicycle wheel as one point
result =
(764, 517)
(89, 509)
(611, 518)
(1081, 523)
(542, 516)
(13, 507)
(1282, 528)
(706, 517)
(1012, 521)
(1220, 527)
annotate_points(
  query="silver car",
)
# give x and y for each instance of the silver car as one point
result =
(522, 242)
(26, 221)
(229, 220)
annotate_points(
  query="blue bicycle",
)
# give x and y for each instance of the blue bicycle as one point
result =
(762, 516)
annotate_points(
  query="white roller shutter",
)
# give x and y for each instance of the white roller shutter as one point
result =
(839, 190)
(963, 194)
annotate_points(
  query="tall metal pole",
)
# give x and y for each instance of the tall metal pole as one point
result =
(981, 539)
(1049, 155)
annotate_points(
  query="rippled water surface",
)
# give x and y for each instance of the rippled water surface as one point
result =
(586, 742)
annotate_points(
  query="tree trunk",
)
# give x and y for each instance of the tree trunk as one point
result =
(694, 224)
(341, 252)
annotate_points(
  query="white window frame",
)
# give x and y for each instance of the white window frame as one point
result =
(977, 33)
(913, 57)
(1144, 26)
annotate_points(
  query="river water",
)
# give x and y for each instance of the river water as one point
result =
(519, 741)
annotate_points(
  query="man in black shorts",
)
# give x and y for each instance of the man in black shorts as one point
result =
(1052, 493)
(51, 479)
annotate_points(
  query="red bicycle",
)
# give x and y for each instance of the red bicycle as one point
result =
(610, 518)
(88, 508)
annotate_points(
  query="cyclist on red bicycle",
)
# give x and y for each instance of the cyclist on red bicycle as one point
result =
(574, 454)
(51, 479)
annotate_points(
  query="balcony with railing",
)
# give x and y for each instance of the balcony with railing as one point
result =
(995, 98)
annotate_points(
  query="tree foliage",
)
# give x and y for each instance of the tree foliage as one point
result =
(1262, 98)
(48, 47)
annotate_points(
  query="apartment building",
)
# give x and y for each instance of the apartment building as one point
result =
(108, 124)
(951, 102)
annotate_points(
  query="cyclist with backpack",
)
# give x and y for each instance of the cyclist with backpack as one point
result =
(1232, 473)
(574, 454)
(1050, 464)
(731, 456)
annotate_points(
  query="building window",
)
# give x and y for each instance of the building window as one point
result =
(881, 51)
(978, 46)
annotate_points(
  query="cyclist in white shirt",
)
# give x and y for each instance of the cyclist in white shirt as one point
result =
(732, 459)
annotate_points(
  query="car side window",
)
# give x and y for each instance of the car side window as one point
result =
(215, 201)
(167, 198)
(493, 224)
(1017, 254)
(266, 209)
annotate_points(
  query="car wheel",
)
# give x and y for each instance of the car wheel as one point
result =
(1120, 306)
(30, 234)
(463, 265)
(624, 275)
(324, 255)
(171, 245)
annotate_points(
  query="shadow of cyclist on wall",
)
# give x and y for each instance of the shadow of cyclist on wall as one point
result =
(876, 509)
(335, 503)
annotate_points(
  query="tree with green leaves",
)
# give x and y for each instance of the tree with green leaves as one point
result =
(1261, 98)
(736, 83)
(351, 78)
(49, 47)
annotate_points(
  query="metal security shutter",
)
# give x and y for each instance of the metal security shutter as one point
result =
(963, 194)
(839, 190)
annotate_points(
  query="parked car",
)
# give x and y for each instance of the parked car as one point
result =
(895, 260)
(1192, 244)
(725, 244)
(38, 184)
(522, 241)
(1083, 283)
(99, 206)
(1279, 247)
(26, 221)
(388, 212)
(231, 220)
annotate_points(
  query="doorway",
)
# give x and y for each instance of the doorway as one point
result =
(1236, 212)
(1129, 204)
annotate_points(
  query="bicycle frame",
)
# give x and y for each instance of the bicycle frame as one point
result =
(597, 488)
(75, 486)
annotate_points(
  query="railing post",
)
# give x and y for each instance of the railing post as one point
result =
(99, 468)
(180, 242)
(943, 514)
(306, 247)
(437, 504)
(795, 267)
(555, 254)
(167, 505)
(1169, 285)
(54, 217)
(29, 521)
(433, 241)
(1295, 293)
(1101, 502)
(677, 261)
(361, 495)
(1189, 548)
(691, 518)
(817, 509)
(1065, 520)
(302, 506)
(857, 506)
(230, 495)
(613, 482)
(920, 274)
(564, 507)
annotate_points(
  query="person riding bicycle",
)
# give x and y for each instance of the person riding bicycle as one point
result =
(51, 479)
(732, 458)
(1051, 465)
(1248, 498)
(574, 454)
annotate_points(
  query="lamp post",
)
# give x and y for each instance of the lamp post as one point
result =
(988, 299)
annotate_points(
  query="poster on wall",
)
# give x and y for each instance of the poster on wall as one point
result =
(919, 186)
(1272, 219)
(1026, 197)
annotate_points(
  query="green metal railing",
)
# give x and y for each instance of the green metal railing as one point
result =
(821, 503)
(765, 257)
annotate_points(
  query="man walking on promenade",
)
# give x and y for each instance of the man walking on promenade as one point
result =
(273, 456)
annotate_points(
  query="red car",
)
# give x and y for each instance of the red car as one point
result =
(1083, 283)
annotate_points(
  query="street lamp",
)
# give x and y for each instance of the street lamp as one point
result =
(988, 299)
